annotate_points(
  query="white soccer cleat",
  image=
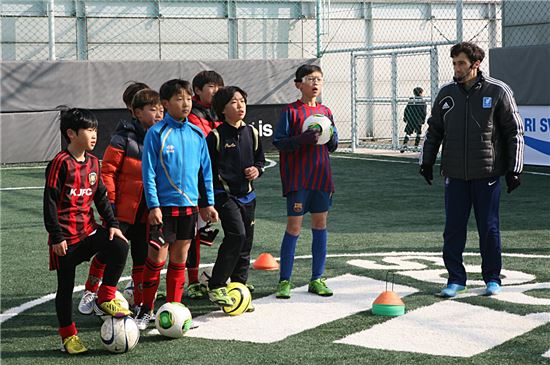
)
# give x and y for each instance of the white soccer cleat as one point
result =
(86, 305)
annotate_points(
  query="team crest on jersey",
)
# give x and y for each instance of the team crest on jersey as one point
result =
(92, 178)
(230, 145)
(170, 148)
(297, 207)
(487, 102)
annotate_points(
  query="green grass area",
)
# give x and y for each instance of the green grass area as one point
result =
(378, 206)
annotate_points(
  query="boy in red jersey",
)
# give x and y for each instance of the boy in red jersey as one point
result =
(73, 183)
(205, 85)
(122, 167)
(306, 177)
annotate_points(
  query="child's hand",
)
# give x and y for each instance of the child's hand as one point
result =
(251, 173)
(209, 214)
(155, 216)
(116, 232)
(60, 249)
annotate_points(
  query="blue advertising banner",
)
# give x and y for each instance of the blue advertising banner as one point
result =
(537, 134)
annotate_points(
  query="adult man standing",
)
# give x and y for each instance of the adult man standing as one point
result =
(477, 121)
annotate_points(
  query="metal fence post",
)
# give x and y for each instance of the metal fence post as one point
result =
(353, 78)
(51, 30)
(459, 20)
(233, 30)
(394, 132)
(81, 31)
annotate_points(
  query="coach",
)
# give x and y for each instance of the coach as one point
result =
(476, 120)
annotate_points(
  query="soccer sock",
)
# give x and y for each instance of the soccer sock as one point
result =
(193, 265)
(95, 274)
(319, 252)
(67, 331)
(137, 278)
(175, 280)
(151, 276)
(105, 293)
(288, 247)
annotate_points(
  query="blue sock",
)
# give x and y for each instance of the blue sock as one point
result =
(288, 247)
(319, 252)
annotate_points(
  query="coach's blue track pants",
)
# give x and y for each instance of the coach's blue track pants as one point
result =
(460, 195)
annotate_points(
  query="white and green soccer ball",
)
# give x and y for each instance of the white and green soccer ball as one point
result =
(173, 320)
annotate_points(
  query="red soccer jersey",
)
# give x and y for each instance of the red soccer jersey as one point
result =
(71, 188)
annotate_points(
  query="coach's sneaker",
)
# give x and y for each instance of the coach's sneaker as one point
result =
(451, 290)
(86, 305)
(220, 297)
(73, 345)
(143, 318)
(319, 287)
(194, 291)
(250, 287)
(283, 290)
(493, 288)
(113, 308)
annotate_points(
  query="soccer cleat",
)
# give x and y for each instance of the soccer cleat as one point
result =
(250, 288)
(194, 291)
(283, 290)
(250, 308)
(220, 297)
(493, 288)
(143, 318)
(113, 308)
(319, 287)
(86, 305)
(451, 290)
(73, 345)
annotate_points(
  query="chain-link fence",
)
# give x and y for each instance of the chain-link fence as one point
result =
(373, 53)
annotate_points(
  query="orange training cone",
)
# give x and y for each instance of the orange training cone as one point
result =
(265, 262)
(388, 303)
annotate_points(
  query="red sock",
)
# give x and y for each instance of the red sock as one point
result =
(137, 278)
(67, 331)
(175, 280)
(95, 274)
(151, 276)
(105, 293)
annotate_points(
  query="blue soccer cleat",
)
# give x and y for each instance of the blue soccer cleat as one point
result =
(493, 288)
(451, 290)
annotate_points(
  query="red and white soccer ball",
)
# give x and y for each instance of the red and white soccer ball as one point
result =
(321, 123)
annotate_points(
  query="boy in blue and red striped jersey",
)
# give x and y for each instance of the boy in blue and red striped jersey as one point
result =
(306, 177)
(73, 183)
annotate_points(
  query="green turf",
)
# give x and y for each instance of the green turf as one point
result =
(378, 207)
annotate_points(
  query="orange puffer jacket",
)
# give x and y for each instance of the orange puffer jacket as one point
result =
(121, 170)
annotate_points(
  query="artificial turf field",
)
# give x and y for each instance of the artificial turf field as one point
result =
(381, 206)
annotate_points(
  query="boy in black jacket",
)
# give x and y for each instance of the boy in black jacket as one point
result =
(237, 160)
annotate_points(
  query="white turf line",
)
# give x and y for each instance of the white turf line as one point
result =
(546, 354)
(271, 163)
(275, 319)
(448, 328)
(12, 312)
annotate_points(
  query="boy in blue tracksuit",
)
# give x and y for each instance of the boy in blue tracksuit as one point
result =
(174, 155)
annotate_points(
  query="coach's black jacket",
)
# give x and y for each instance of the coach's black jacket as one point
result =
(480, 129)
(231, 151)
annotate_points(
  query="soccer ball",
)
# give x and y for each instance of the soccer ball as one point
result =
(241, 299)
(320, 123)
(128, 292)
(173, 320)
(206, 275)
(119, 335)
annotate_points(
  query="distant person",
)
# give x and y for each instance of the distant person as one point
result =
(73, 184)
(205, 85)
(414, 116)
(477, 121)
(174, 151)
(306, 177)
(131, 90)
(237, 161)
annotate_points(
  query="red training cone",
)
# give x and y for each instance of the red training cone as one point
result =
(265, 261)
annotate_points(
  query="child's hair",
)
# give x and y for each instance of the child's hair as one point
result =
(174, 87)
(76, 119)
(145, 97)
(417, 91)
(471, 50)
(224, 96)
(305, 70)
(207, 77)
(132, 90)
